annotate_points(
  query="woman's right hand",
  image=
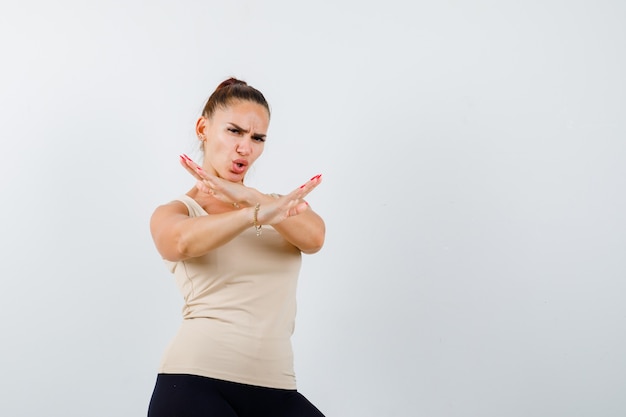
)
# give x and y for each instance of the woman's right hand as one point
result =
(224, 190)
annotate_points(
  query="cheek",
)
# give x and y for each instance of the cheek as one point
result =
(259, 150)
(219, 146)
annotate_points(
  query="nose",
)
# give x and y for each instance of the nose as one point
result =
(243, 147)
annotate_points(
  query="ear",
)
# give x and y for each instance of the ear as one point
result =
(201, 128)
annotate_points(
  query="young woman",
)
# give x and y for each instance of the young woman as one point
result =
(235, 253)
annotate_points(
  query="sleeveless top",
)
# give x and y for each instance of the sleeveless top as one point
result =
(239, 310)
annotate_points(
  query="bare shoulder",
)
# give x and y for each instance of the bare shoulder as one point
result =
(164, 224)
(174, 206)
(168, 211)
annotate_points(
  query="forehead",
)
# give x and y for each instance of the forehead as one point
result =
(243, 110)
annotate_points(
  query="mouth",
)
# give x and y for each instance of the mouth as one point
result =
(239, 166)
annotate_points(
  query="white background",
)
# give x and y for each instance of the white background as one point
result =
(473, 156)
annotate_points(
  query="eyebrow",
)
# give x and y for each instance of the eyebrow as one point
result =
(256, 135)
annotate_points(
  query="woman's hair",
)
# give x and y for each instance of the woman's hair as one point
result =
(232, 90)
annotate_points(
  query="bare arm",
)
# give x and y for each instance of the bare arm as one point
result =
(178, 236)
(306, 231)
(290, 215)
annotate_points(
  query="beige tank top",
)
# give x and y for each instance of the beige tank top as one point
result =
(239, 310)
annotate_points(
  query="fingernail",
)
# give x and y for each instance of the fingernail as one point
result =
(315, 177)
(186, 157)
(302, 186)
(199, 168)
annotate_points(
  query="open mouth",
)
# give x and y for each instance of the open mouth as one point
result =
(239, 166)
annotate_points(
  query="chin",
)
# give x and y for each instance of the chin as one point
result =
(232, 177)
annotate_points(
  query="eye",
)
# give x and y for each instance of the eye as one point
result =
(233, 130)
(258, 138)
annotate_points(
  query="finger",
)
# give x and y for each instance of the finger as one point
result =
(203, 187)
(299, 193)
(299, 208)
(212, 179)
(198, 172)
(306, 188)
(207, 188)
(196, 168)
(190, 166)
(302, 207)
(314, 180)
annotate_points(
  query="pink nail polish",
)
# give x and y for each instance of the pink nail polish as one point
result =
(315, 177)
(186, 157)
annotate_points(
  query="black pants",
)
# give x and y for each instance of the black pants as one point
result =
(197, 396)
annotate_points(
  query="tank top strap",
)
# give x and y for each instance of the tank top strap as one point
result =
(195, 210)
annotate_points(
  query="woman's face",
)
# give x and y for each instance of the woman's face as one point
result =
(233, 138)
